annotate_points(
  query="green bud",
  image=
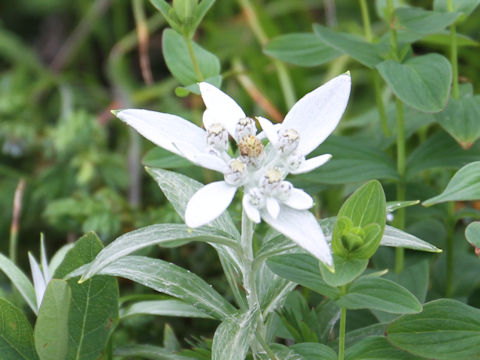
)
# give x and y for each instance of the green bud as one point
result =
(185, 9)
(353, 238)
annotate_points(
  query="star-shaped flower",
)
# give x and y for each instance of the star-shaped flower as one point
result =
(259, 168)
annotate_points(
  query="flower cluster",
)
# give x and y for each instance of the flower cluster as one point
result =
(260, 166)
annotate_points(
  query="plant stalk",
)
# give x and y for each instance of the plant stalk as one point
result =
(343, 326)
(401, 190)
(453, 54)
(15, 225)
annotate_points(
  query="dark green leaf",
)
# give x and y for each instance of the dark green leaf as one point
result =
(147, 352)
(16, 335)
(94, 308)
(424, 21)
(445, 330)
(460, 119)
(179, 62)
(472, 233)
(376, 348)
(175, 308)
(465, 6)
(381, 294)
(464, 185)
(365, 53)
(304, 270)
(303, 49)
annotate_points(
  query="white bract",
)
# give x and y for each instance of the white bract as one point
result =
(260, 167)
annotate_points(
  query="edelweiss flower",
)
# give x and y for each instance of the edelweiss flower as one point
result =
(259, 168)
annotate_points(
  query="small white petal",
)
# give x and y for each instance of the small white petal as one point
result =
(299, 200)
(311, 164)
(208, 203)
(221, 107)
(252, 212)
(269, 130)
(38, 281)
(273, 207)
(317, 114)
(302, 227)
(164, 129)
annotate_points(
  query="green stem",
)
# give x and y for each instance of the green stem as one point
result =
(196, 67)
(343, 326)
(284, 78)
(453, 54)
(17, 209)
(450, 248)
(401, 191)
(263, 343)
(376, 77)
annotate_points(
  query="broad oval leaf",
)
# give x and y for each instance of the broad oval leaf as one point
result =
(376, 348)
(424, 21)
(154, 235)
(460, 119)
(94, 306)
(172, 280)
(446, 330)
(177, 58)
(232, 338)
(365, 53)
(302, 269)
(472, 233)
(464, 185)
(303, 49)
(422, 82)
(16, 335)
(369, 292)
(20, 281)
(51, 328)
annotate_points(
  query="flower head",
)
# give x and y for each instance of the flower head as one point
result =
(260, 168)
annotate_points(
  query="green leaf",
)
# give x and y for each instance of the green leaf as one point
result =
(395, 205)
(472, 234)
(376, 348)
(353, 161)
(397, 238)
(20, 281)
(364, 209)
(464, 185)
(460, 119)
(464, 6)
(346, 270)
(51, 328)
(446, 330)
(365, 53)
(303, 49)
(314, 351)
(381, 7)
(16, 335)
(172, 280)
(179, 62)
(166, 10)
(443, 38)
(147, 352)
(154, 235)
(304, 270)
(94, 308)
(381, 294)
(201, 11)
(440, 151)
(163, 308)
(422, 82)
(232, 338)
(424, 21)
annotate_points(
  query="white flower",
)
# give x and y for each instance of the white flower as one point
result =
(259, 168)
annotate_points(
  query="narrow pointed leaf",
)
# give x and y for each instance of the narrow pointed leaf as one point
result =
(144, 351)
(16, 335)
(232, 338)
(175, 308)
(20, 281)
(160, 234)
(397, 238)
(51, 328)
(171, 280)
